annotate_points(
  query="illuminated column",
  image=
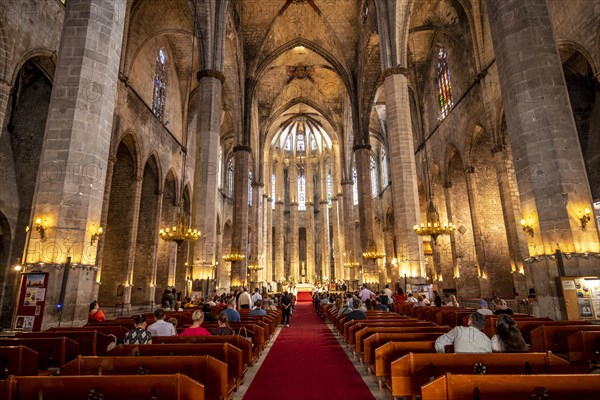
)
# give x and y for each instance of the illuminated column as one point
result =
(324, 214)
(294, 262)
(279, 222)
(340, 242)
(362, 155)
(240, 214)
(348, 207)
(257, 224)
(477, 237)
(310, 224)
(267, 272)
(337, 253)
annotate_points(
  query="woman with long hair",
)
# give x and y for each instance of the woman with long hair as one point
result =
(224, 328)
(452, 302)
(508, 337)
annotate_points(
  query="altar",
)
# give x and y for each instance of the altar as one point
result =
(304, 291)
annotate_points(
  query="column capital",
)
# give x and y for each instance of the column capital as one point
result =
(257, 184)
(293, 203)
(347, 182)
(210, 73)
(279, 202)
(323, 202)
(309, 203)
(266, 196)
(397, 70)
(241, 147)
(366, 146)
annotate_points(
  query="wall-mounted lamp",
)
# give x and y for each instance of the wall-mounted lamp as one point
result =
(40, 228)
(95, 236)
(584, 218)
(527, 228)
(18, 267)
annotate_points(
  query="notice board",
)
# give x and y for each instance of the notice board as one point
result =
(32, 299)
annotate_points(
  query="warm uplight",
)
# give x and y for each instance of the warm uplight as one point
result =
(18, 267)
(527, 228)
(584, 218)
(96, 235)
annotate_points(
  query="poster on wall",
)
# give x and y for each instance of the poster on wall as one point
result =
(32, 298)
(585, 308)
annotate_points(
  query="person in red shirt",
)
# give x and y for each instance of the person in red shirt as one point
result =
(399, 296)
(96, 314)
(195, 329)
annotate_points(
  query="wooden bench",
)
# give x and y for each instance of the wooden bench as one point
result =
(91, 343)
(53, 352)
(554, 338)
(527, 326)
(207, 370)
(117, 331)
(18, 360)
(390, 351)
(348, 324)
(364, 333)
(584, 350)
(377, 339)
(235, 340)
(131, 387)
(413, 370)
(357, 327)
(226, 352)
(502, 387)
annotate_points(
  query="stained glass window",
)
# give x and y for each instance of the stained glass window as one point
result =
(374, 188)
(160, 85)
(273, 191)
(329, 189)
(300, 143)
(384, 169)
(230, 178)
(250, 188)
(355, 186)
(288, 143)
(301, 193)
(443, 81)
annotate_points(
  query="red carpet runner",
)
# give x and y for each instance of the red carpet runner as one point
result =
(306, 362)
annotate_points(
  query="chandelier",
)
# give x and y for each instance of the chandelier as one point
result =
(180, 231)
(433, 227)
(372, 253)
(234, 256)
(255, 267)
(351, 264)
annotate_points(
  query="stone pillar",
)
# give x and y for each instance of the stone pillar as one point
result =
(310, 224)
(550, 169)
(206, 179)
(341, 239)
(279, 222)
(337, 240)
(257, 225)
(348, 208)
(77, 143)
(324, 214)
(362, 155)
(239, 270)
(267, 237)
(403, 168)
(294, 261)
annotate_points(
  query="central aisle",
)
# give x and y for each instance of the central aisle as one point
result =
(306, 362)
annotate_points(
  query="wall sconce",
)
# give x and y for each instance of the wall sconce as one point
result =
(95, 236)
(40, 228)
(527, 228)
(584, 218)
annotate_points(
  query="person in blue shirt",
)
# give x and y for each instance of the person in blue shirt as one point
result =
(232, 314)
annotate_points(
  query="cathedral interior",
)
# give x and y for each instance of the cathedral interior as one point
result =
(453, 143)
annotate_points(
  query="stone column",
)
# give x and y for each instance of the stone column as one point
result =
(294, 261)
(348, 208)
(549, 164)
(310, 224)
(403, 168)
(279, 222)
(338, 207)
(206, 179)
(256, 248)
(324, 214)
(240, 214)
(477, 232)
(77, 143)
(362, 155)
(337, 240)
(267, 235)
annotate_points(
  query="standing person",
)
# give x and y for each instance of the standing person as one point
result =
(161, 327)
(232, 314)
(166, 299)
(388, 292)
(466, 339)
(256, 296)
(245, 300)
(286, 307)
(95, 314)
(196, 329)
(224, 328)
(365, 293)
(139, 334)
(508, 337)
(437, 299)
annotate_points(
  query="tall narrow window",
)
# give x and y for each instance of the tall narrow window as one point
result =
(230, 178)
(250, 188)
(220, 167)
(273, 192)
(374, 186)
(384, 170)
(160, 85)
(355, 186)
(300, 143)
(329, 188)
(443, 81)
(301, 193)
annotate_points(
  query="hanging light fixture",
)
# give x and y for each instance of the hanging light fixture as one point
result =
(372, 253)
(234, 256)
(433, 227)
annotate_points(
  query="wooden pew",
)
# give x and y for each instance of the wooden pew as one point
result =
(359, 325)
(413, 370)
(255, 333)
(226, 352)
(206, 369)
(404, 308)
(53, 352)
(387, 353)
(527, 326)
(348, 324)
(377, 339)
(443, 314)
(131, 387)
(501, 387)
(18, 360)
(235, 340)
(584, 350)
(362, 334)
(91, 343)
(554, 338)
(117, 331)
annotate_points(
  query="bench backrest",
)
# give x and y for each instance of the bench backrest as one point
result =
(584, 346)
(91, 342)
(554, 338)
(361, 335)
(53, 352)
(207, 370)
(413, 370)
(390, 351)
(18, 360)
(374, 341)
(235, 340)
(501, 387)
(117, 330)
(351, 339)
(132, 387)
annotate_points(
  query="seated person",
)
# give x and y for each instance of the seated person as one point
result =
(411, 299)
(195, 329)
(452, 301)
(96, 314)
(483, 308)
(233, 315)
(378, 305)
(508, 337)
(224, 328)
(208, 315)
(466, 339)
(161, 327)
(139, 334)
(356, 313)
(502, 307)
(258, 310)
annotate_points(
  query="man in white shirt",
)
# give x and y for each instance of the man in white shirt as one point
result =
(161, 327)
(245, 300)
(388, 293)
(466, 339)
(365, 294)
(411, 299)
(256, 296)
